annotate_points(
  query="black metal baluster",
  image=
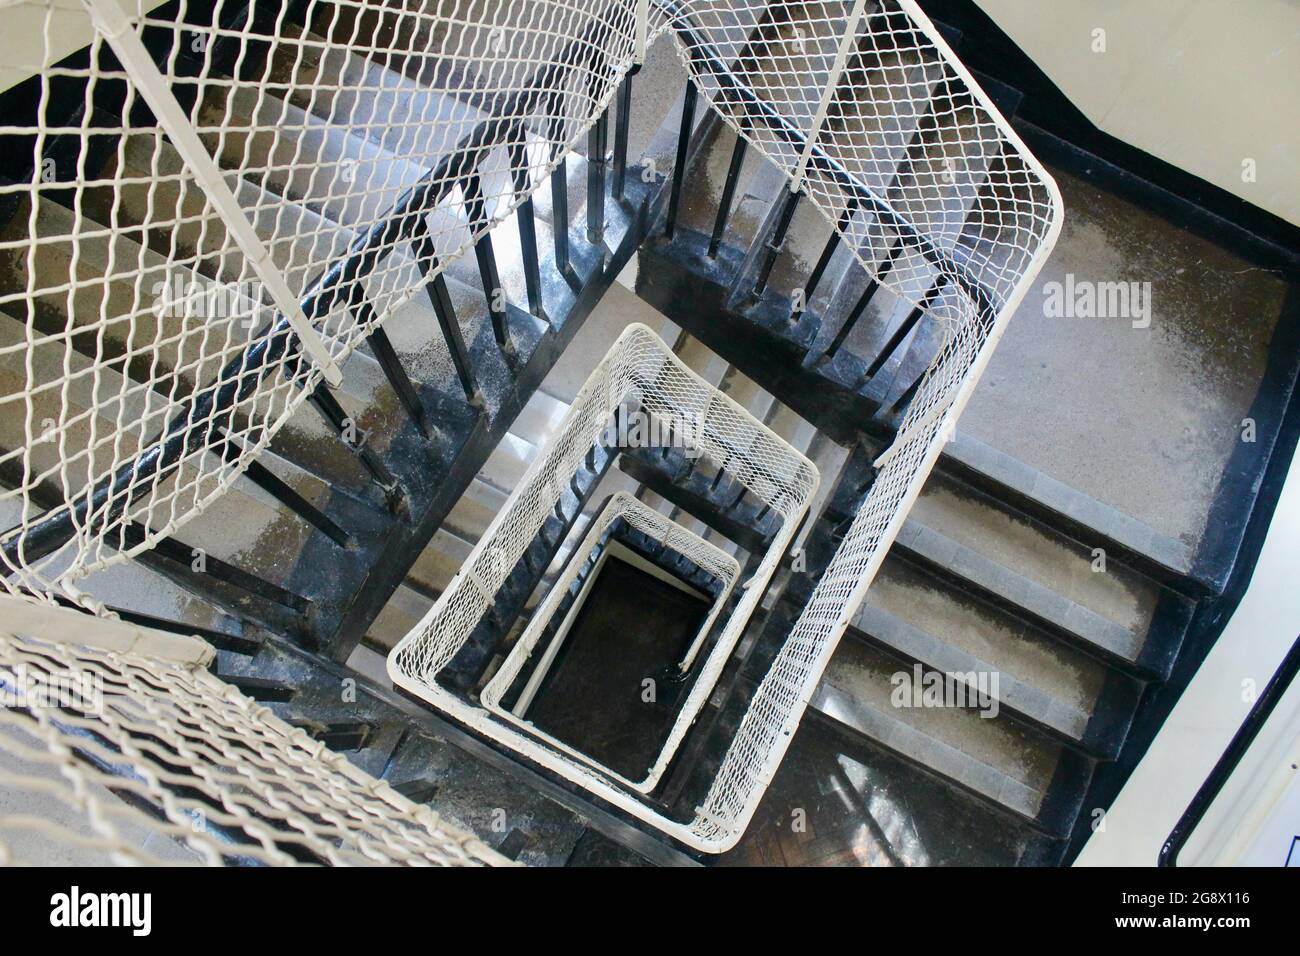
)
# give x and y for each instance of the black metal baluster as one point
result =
(846, 328)
(776, 242)
(283, 492)
(221, 640)
(527, 225)
(900, 406)
(903, 329)
(722, 473)
(824, 260)
(728, 194)
(426, 254)
(342, 424)
(679, 164)
(493, 291)
(596, 146)
(387, 358)
(620, 133)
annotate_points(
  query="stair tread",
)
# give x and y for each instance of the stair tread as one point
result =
(299, 156)
(933, 606)
(1059, 502)
(235, 526)
(1032, 550)
(942, 758)
(1067, 717)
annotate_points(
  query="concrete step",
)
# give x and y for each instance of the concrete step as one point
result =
(912, 614)
(382, 104)
(1008, 764)
(438, 563)
(397, 619)
(340, 176)
(170, 211)
(87, 406)
(473, 512)
(1026, 567)
(131, 586)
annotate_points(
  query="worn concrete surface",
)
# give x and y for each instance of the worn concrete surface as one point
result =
(832, 804)
(1143, 419)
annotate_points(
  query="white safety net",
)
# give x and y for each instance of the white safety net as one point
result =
(639, 374)
(206, 207)
(870, 114)
(131, 752)
(715, 562)
(157, 324)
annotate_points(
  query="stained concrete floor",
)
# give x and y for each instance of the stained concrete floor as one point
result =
(833, 803)
(1143, 419)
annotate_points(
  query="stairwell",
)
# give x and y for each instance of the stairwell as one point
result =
(329, 551)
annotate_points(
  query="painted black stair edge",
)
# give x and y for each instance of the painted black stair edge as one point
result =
(1149, 654)
(1089, 521)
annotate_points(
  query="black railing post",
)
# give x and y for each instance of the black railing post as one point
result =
(824, 260)
(776, 243)
(349, 432)
(284, 493)
(846, 328)
(728, 194)
(527, 225)
(426, 254)
(493, 291)
(904, 328)
(596, 146)
(184, 557)
(620, 133)
(679, 164)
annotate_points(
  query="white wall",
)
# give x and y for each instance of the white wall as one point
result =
(1215, 703)
(1201, 84)
(29, 40)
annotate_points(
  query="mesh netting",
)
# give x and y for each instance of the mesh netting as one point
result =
(139, 328)
(638, 374)
(867, 110)
(707, 557)
(114, 754)
(173, 281)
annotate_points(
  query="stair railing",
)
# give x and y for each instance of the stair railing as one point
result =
(172, 390)
(257, 388)
(111, 732)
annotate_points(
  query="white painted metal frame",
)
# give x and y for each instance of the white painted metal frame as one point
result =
(645, 519)
(639, 373)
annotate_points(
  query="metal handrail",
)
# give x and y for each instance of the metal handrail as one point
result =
(210, 406)
(730, 85)
(1213, 785)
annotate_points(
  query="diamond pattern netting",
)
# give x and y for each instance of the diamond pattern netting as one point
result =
(638, 374)
(707, 557)
(138, 331)
(103, 750)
